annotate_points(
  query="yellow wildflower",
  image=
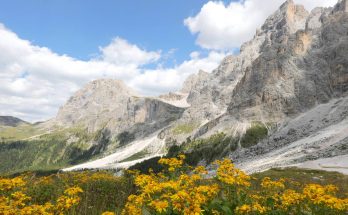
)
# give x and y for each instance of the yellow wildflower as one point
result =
(160, 206)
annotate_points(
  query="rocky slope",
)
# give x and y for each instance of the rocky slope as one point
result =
(321, 132)
(111, 105)
(303, 62)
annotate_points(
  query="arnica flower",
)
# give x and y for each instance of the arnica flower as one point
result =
(290, 198)
(173, 163)
(244, 209)
(159, 206)
(9, 184)
(230, 175)
(269, 184)
(108, 213)
(320, 195)
(73, 191)
(255, 207)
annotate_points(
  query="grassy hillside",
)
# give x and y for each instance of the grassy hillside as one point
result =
(49, 151)
(8, 133)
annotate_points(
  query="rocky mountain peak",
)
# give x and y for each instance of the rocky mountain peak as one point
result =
(296, 69)
(109, 84)
(112, 105)
(288, 18)
(192, 80)
(342, 6)
(94, 98)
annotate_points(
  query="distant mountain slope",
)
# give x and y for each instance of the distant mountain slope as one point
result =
(11, 121)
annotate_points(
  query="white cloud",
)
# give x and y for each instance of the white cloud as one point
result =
(154, 82)
(220, 27)
(120, 52)
(35, 81)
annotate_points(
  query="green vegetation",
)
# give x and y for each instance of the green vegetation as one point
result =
(136, 156)
(147, 165)
(307, 176)
(184, 128)
(231, 191)
(125, 137)
(101, 191)
(215, 147)
(51, 151)
(18, 133)
(254, 134)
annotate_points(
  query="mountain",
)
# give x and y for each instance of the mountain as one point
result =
(111, 105)
(11, 121)
(281, 101)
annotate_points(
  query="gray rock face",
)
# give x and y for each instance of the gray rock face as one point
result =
(110, 104)
(303, 62)
(342, 6)
(97, 100)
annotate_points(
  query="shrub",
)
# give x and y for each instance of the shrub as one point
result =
(184, 128)
(253, 135)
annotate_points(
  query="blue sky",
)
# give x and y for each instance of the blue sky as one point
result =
(51, 48)
(78, 27)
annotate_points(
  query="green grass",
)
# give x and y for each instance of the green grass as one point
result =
(306, 176)
(51, 151)
(19, 132)
(136, 156)
(184, 128)
(102, 191)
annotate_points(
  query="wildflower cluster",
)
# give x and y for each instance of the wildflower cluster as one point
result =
(172, 163)
(14, 200)
(276, 198)
(228, 174)
(184, 190)
(178, 189)
(69, 199)
(178, 193)
(324, 196)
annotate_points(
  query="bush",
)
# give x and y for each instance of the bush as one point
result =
(253, 135)
(125, 137)
(184, 128)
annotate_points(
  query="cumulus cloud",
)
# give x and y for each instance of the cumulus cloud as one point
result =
(120, 52)
(153, 82)
(221, 27)
(35, 81)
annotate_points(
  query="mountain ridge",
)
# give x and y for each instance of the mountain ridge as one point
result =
(11, 121)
